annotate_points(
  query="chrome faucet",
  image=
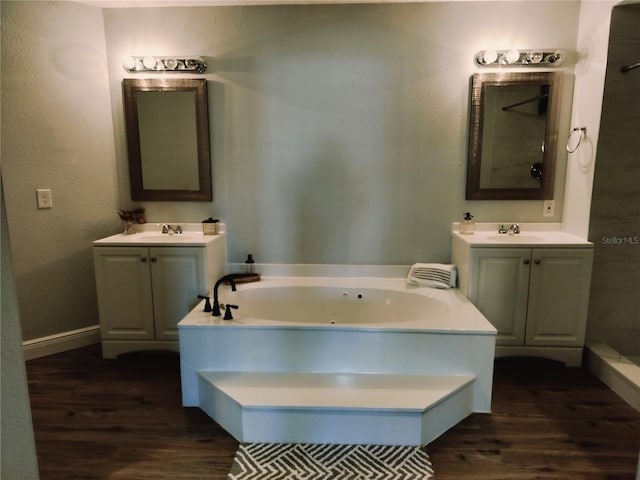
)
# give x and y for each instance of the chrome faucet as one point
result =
(166, 228)
(511, 229)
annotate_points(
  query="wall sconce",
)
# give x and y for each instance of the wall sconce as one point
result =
(164, 64)
(519, 58)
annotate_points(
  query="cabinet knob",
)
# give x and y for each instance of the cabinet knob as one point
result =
(154, 259)
(526, 262)
(537, 261)
(143, 259)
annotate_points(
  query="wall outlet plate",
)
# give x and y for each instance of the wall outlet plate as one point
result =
(548, 208)
(44, 198)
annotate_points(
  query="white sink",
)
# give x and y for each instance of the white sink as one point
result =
(516, 238)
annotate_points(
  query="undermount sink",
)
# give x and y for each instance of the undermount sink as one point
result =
(516, 238)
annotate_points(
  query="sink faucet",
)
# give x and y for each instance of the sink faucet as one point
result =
(231, 277)
(511, 229)
(166, 228)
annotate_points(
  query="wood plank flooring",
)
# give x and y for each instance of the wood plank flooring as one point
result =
(122, 419)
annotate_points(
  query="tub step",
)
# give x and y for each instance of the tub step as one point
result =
(341, 408)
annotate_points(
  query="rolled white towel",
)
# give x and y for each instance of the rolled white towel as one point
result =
(437, 275)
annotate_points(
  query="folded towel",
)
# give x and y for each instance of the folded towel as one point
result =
(437, 275)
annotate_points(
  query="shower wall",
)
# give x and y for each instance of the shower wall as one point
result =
(614, 311)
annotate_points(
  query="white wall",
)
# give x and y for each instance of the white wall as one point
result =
(339, 131)
(593, 41)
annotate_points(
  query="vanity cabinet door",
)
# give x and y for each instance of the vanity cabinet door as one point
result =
(499, 287)
(559, 296)
(124, 292)
(177, 276)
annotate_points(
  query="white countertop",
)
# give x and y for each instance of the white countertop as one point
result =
(531, 235)
(151, 235)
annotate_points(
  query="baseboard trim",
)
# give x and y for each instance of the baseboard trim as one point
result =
(61, 342)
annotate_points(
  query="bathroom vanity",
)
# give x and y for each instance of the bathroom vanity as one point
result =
(148, 281)
(532, 286)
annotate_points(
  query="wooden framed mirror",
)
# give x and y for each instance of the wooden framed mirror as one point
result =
(513, 136)
(167, 123)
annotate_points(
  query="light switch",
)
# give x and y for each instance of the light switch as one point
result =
(44, 198)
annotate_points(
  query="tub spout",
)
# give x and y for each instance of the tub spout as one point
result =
(231, 278)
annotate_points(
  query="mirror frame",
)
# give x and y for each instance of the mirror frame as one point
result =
(130, 88)
(479, 83)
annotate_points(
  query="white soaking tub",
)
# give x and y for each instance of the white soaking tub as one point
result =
(351, 333)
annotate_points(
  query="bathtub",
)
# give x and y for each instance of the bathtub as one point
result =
(349, 303)
(320, 359)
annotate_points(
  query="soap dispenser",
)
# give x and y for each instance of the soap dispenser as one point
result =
(250, 261)
(467, 227)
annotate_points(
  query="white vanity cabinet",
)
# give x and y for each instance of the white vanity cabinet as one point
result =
(536, 297)
(144, 291)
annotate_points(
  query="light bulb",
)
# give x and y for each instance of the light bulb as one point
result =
(149, 62)
(170, 63)
(489, 56)
(129, 63)
(558, 57)
(535, 57)
(512, 56)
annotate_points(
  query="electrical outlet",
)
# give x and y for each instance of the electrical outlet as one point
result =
(548, 208)
(44, 198)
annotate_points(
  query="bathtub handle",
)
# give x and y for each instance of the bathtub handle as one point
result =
(227, 311)
(207, 304)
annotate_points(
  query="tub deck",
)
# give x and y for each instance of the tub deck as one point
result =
(401, 383)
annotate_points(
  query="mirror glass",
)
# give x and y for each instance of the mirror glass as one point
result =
(167, 124)
(513, 135)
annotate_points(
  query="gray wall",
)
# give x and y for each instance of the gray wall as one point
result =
(56, 133)
(17, 445)
(339, 131)
(614, 311)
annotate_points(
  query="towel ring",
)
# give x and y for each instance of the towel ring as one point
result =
(583, 134)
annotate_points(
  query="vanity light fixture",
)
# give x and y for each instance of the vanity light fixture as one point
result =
(164, 64)
(519, 58)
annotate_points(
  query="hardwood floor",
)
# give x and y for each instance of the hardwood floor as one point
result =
(122, 419)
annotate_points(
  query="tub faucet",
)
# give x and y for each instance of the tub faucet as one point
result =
(231, 277)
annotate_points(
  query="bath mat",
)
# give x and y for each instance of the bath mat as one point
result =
(294, 461)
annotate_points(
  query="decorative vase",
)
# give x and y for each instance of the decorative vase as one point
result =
(129, 227)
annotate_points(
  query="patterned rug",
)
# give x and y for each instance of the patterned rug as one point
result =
(280, 461)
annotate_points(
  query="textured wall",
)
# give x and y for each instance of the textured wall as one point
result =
(614, 311)
(17, 445)
(56, 133)
(339, 131)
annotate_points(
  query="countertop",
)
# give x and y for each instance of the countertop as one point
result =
(531, 235)
(151, 235)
